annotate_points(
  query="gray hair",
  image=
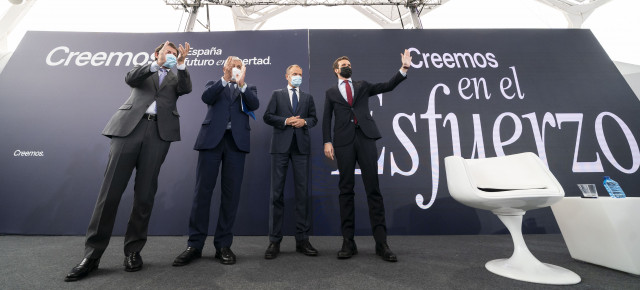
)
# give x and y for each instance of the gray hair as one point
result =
(289, 68)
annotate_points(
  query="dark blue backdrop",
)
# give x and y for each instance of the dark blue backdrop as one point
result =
(476, 93)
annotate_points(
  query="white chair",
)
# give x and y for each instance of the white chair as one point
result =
(508, 186)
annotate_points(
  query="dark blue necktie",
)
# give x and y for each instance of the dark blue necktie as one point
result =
(232, 89)
(294, 100)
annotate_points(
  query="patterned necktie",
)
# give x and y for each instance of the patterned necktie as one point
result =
(161, 74)
(347, 88)
(294, 100)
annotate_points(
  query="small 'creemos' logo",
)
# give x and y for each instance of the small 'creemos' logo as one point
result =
(22, 153)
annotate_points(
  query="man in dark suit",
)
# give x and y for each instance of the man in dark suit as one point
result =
(292, 113)
(354, 140)
(223, 139)
(141, 132)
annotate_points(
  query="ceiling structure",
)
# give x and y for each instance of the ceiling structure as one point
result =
(252, 14)
(576, 11)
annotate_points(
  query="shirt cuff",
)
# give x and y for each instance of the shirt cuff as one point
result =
(181, 66)
(154, 67)
(243, 88)
(404, 74)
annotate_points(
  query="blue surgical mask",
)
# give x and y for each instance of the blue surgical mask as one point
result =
(171, 61)
(234, 72)
(296, 81)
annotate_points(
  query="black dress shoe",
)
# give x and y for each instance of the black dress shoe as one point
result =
(382, 249)
(348, 249)
(226, 256)
(82, 270)
(306, 248)
(133, 262)
(187, 256)
(272, 251)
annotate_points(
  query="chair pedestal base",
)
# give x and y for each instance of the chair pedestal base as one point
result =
(533, 272)
(523, 265)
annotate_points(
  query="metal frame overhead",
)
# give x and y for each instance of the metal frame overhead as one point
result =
(576, 11)
(8, 21)
(252, 14)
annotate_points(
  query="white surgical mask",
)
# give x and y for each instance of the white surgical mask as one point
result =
(235, 72)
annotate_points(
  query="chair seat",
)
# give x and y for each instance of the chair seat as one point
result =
(519, 181)
(515, 204)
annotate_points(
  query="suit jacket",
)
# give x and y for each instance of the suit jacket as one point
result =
(144, 90)
(224, 106)
(335, 105)
(279, 110)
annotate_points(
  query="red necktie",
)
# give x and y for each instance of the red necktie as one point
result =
(350, 98)
(349, 94)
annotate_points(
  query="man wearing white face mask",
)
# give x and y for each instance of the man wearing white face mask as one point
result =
(141, 132)
(222, 144)
(291, 113)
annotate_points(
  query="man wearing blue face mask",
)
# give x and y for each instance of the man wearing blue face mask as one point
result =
(291, 113)
(141, 132)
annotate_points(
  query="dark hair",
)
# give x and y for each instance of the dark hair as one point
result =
(162, 45)
(335, 63)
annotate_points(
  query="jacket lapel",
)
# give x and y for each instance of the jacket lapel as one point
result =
(284, 95)
(302, 103)
(168, 78)
(339, 96)
(355, 88)
(235, 92)
(156, 80)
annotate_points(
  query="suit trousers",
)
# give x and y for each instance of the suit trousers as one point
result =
(279, 167)
(145, 151)
(362, 150)
(232, 160)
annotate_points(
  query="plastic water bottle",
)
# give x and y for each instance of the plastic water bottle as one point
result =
(613, 188)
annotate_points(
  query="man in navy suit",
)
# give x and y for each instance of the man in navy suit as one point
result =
(354, 140)
(223, 139)
(291, 113)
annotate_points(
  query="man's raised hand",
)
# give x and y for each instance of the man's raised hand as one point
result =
(406, 60)
(162, 54)
(183, 51)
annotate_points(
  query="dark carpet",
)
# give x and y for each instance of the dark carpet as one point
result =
(425, 262)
